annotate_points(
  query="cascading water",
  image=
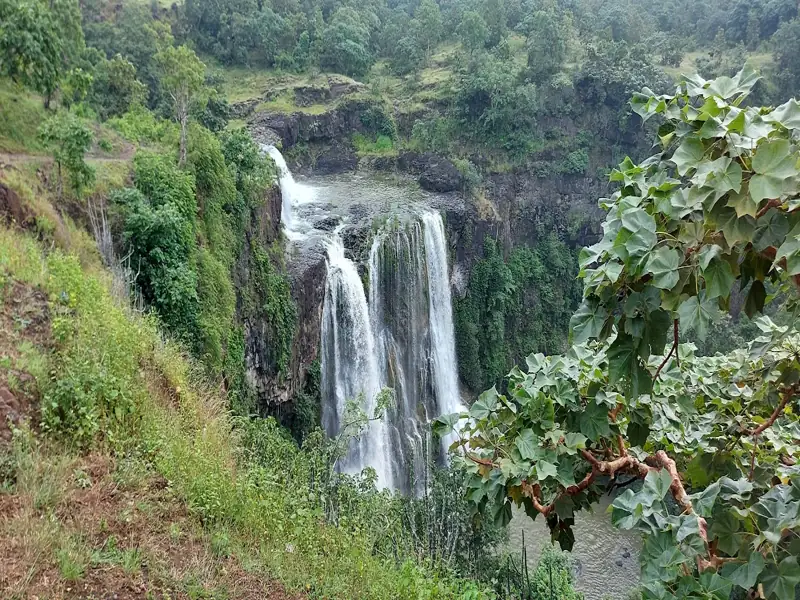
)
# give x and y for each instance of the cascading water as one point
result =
(293, 194)
(411, 312)
(402, 339)
(443, 338)
(349, 364)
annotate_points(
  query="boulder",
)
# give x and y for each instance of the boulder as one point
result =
(336, 159)
(441, 175)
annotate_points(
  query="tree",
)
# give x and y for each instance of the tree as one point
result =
(182, 78)
(427, 24)
(786, 45)
(30, 47)
(547, 44)
(715, 207)
(115, 88)
(494, 15)
(472, 31)
(345, 44)
(69, 140)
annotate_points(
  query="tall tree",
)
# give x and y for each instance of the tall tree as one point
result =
(472, 31)
(182, 77)
(428, 25)
(30, 46)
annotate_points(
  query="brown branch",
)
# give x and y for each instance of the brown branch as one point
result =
(672, 350)
(774, 203)
(788, 395)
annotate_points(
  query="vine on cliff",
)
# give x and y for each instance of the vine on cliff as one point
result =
(716, 206)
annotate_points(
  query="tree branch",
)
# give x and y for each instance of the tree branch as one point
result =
(788, 395)
(672, 350)
(774, 203)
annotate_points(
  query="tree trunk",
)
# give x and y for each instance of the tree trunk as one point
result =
(182, 155)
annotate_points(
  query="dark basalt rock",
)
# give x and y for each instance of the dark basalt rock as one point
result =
(336, 159)
(328, 223)
(440, 175)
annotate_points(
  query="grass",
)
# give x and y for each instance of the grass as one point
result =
(21, 113)
(759, 60)
(285, 103)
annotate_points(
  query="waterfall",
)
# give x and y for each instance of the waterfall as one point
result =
(412, 320)
(401, 339)
(443, 339)
(349, 364)
(293, 194)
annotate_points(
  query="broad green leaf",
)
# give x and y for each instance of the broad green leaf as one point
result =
(593, 422)
(724, 528)
(781, 580)
(696, 314)
(773, 163)
(588, 321)
(743, 203)
(566, 473)
(575, 441)
(657, 483)
(734, 228)
(545, 469)
(484, 405)
(445, 424)
(707, 254)
(790, 250)
(745, 575)
(688, 155)
(703, 502)
(787, 114)
(663, 264)
(719, 279)
(528, 445)
(756, 296)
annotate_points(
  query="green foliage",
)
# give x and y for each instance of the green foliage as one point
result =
(276, 305)
(364, 146)
(159, 228)
(377, 118)
(493, 103)
(472, 31)
(714, 207)
(30, 45)
(115, 89)
(69, 140)
(547, 38)
(513, 307)
(785, 47)
(181, 77)
(345, 44)
(142, 126)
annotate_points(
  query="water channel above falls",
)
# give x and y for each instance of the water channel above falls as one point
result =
(387, 322)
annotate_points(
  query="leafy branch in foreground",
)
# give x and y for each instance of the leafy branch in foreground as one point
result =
(716, 440)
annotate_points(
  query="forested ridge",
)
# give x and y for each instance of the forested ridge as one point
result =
(141, 253)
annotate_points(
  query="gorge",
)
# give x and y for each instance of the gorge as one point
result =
(402, 338)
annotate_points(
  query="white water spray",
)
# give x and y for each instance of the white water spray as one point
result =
(350, 368)
(293, 194)
(443, 339)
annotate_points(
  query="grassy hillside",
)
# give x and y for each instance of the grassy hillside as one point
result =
(122, 469)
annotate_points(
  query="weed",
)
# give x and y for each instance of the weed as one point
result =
(72, 559)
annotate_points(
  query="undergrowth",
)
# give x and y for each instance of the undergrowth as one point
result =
(117, 384)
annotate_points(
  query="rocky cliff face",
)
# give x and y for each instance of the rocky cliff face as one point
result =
(272, 387)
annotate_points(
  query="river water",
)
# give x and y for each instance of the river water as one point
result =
(606, 558)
